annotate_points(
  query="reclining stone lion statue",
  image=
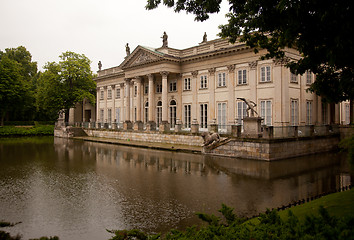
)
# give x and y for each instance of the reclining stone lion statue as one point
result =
(210, 138)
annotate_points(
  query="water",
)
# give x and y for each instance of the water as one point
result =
(77, 190)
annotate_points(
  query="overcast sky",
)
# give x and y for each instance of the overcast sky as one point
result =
(98, 29)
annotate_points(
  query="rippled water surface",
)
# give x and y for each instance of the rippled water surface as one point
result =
(77, 190)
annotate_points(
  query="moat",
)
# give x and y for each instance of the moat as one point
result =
(76, 189)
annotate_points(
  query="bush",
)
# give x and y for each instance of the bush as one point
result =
(26, 130)
(270, 226)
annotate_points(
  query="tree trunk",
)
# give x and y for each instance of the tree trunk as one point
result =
(66, 115)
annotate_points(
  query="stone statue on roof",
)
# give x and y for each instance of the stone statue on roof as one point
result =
(164, 40)
(205, 37)
(127, 49)
(99, 66)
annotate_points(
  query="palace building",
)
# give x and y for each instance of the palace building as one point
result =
(157, 88)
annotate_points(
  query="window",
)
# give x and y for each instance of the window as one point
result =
(324, 113)
(265, 74)
(308, 112)
(294, 112)
(146, 112)
(222, 115)
(118, 93)
(266, 111)
(109, 112)
(135, 117)
(109, 94)
(146, 89)
(101, 95)
(118, 115)
(187, 116)
(173, 86)
(173, 110)
(241, 112)
(102, 115)
(308, 77)
(242, 77)
(203, 115)
(187, 84)
(158, 87)
(221, 79)
(203, 82)
(159, 113)
(135, 90)
(293, 78)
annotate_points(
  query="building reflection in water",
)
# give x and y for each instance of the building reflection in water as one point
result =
(162, 189)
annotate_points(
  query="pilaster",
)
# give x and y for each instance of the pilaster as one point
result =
(194, 85)
(231, 95)
(211, 85)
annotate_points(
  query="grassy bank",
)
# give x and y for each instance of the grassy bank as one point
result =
(35, 130)
(329, 217)
(339, 204)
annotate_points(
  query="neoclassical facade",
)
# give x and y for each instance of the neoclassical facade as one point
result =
(200, 85)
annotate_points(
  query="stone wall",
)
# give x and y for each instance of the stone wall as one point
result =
(187, 139)
(346, 131)
(274, 149)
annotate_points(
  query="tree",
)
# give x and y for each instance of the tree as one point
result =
(26, 72)
(64, 84)
(12, 87)
(320, 30)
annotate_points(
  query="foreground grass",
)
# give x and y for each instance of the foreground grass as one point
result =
(36, 130)
(339, 204)
(330, 217)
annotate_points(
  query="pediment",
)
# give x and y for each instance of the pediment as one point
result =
(141, 56)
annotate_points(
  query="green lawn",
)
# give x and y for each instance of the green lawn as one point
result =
(339, 204)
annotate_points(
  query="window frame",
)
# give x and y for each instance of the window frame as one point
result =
(158, 87)
(266, 112)
(203, 115)
(309, 111)
(222, 115)
(294, 112)
(187, 84)
(117, 93)
(187, 115)
(172, 86)
(242, 77)
(203, 82)
(221, 80)
(294, 78)
(265, 74)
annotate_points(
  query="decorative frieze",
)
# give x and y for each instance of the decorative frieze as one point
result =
(252, 65)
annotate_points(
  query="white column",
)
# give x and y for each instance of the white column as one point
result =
(122, 95)
(151, 97)
(105, 104)
(138, 99)
(113, 87)
(127, 99)
(97, 104)
(164, 96)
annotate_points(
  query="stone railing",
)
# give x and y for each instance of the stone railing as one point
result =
(267, 132)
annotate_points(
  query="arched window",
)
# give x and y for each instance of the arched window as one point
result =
(173, 110)
(159, 113)
(146, 112)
